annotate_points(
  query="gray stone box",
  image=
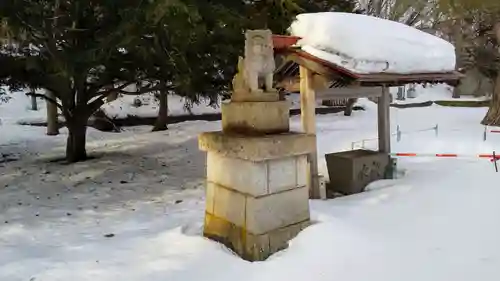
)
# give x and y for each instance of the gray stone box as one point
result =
(351, 171)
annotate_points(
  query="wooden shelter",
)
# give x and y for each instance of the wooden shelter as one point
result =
(320, 79)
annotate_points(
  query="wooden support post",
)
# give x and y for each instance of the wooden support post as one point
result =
(308, 118)
(384, 124)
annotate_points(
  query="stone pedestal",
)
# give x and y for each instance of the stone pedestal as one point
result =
(256, 118)
(256, 197)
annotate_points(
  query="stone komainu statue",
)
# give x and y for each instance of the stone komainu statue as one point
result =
(259, 62)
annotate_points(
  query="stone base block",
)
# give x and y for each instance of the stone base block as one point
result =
(247, 245)
(259, 178)
(256, 118)
(258, 96)
(258, 215)
(256, 198)
(257, 148)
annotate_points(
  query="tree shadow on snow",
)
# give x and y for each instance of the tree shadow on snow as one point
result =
(133, 173)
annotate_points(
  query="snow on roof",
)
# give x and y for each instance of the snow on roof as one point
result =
(366, 44)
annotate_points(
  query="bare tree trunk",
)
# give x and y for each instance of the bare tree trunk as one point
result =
(75, 145)
(162, 119)
(34, 104)
(492, 118)
(52, 124)
(459, 49)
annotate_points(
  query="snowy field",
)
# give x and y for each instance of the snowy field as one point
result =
(136, 212)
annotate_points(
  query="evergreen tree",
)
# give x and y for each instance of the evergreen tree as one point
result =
(196, 45)
(86, 51)
(72, 48)
(3, 96)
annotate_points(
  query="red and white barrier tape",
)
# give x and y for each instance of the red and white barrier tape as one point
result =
(447, 155)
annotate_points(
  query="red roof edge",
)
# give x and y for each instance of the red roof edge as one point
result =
(284, 41)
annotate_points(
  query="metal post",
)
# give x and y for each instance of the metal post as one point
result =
(495, 161)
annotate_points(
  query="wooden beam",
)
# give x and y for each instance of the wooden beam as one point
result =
(384, 124)
(308, 118)
(312, 66)
(389, 79)
(349, 93)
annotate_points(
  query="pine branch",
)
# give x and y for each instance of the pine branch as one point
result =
(46, 98)
(96, 104)
(142, 91)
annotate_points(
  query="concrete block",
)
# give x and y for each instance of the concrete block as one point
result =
(241, 175)
(279, 238)
(256, 118)
(282, 174)
(249, 246)
(351, 171)
(228, 204)
(209, 197)
(255, 96)
(257, 247)
(225, 232)
(270, 212)
(255, 148)
(302, 170)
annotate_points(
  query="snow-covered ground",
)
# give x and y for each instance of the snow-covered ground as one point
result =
(124, 106)
(136, 211)
(144, 106)
(438, 92)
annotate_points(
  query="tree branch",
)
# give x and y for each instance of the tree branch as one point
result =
(47, 99)
(96, 104)
(106, 91)
(142, 91)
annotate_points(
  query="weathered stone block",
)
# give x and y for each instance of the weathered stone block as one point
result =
(257, 148)
(228, 204)
(279, 238)
(302, 170)
(270, 212)
(282, 174)
(256, 118)
(210, 197)
(351, 171)
(225, 232)
(244, 176)
(257, 247)
(255, 97)
(249, 246)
